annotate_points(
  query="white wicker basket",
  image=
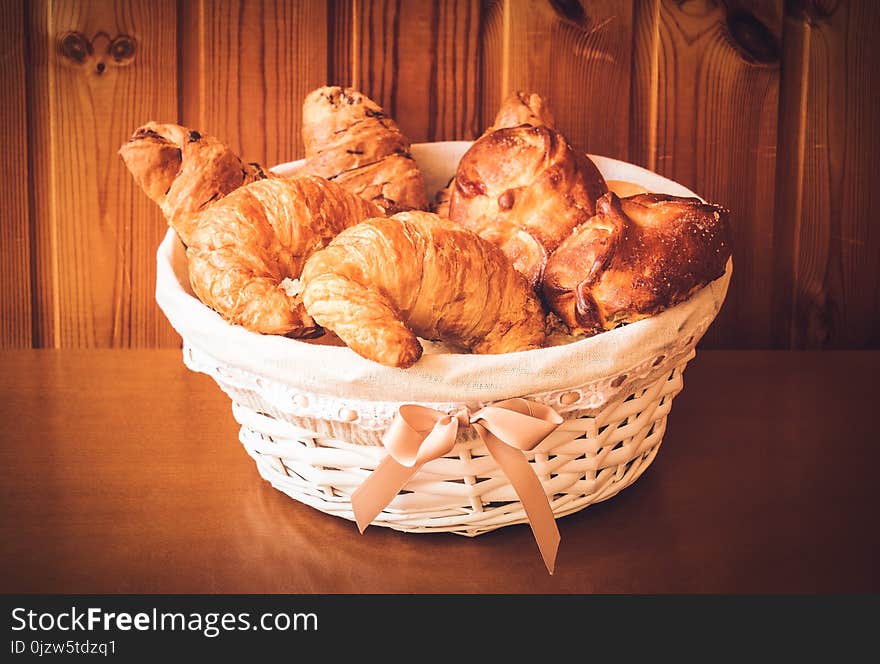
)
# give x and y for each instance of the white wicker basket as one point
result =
(312, 416)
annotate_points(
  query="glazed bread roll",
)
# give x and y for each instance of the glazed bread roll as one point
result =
(517, 108)
(525, 189)
(184, 171)
(635, 258)
(383, 283)
(350, 139)
(248, 248)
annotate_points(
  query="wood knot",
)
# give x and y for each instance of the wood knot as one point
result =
(75, 46)
(122, 48)
(97, 51)
(571, 11)
(754, 40)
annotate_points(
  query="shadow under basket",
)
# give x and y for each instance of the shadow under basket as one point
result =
(312, 416)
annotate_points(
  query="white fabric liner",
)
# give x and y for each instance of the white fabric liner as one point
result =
(437, 376)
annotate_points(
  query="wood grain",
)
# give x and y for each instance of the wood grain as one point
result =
(828, 236)
(419, 59)
(95, 234)
(15, 249)
(576, 54)
(739, 499)
(771, 113)
(705, 111)
(246, 66)
(342, 42)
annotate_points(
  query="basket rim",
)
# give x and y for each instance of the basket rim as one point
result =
(436, 377)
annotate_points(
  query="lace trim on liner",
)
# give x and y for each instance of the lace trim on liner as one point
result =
(572, 401)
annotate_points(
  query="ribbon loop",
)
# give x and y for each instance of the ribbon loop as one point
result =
(519, 423)
(507, 428)
(417, 435)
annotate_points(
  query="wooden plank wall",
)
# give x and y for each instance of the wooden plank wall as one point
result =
(15, 250)
(827, 293)
(766, 106)
(95, 68)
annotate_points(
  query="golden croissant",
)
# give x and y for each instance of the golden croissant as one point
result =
(246, 246)
(385, 282)
(349, 139)
(184, 171)
(516, 109)
(525, 189)
(636, 257)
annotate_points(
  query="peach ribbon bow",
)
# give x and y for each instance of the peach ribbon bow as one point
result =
(419, 434)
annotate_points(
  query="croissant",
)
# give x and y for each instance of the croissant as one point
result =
(525, 189)
(249, 246)
(516, 109)
(383, 283)
(348, 138)
(636, 257)
(184, 171)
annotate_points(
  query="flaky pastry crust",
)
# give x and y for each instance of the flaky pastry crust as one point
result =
(184, 171)
(383, 283)
(247, 249)
(349, 138)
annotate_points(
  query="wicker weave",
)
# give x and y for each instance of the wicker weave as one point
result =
(589, 458)
(319, 447)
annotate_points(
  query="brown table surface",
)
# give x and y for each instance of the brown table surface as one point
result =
(121, 472)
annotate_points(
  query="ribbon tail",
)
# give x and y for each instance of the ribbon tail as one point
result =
(531, 494)
(379, 489)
